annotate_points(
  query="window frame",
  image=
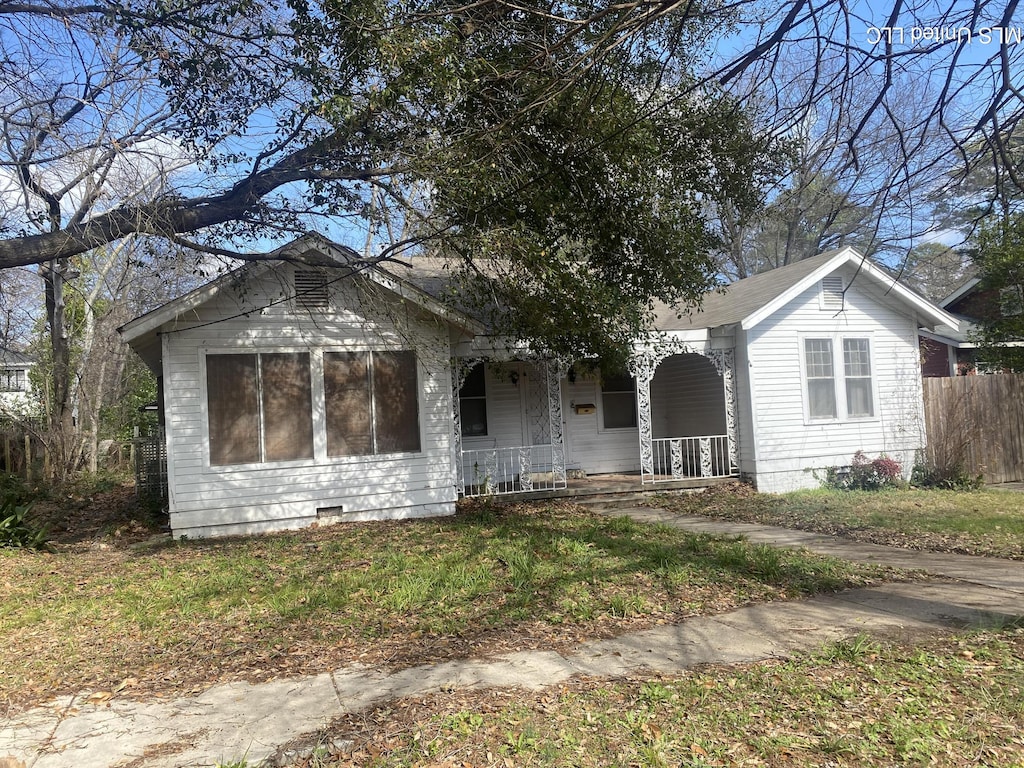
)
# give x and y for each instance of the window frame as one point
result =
(261, 408)
(318, 408)
(839, 377)
(19, 377)
(482, 398)
(602, 411)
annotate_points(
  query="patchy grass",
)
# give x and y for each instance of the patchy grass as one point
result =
(953, 701)
(491, 579)
(985, 522)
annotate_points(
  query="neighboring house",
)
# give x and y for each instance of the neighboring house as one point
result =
(303, 391)
(949, 351)
(16, 397)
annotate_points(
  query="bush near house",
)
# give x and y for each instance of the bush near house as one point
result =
(865, 474)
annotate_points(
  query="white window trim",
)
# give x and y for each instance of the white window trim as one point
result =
(316, 365)
(839, 371)
(599, 402)
(208, 465)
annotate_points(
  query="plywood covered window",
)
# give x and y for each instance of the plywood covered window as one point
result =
(372, 403)
(260, 407)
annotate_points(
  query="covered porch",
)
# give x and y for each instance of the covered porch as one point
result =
(514, 435)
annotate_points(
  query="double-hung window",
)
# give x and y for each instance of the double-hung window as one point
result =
(838, 380)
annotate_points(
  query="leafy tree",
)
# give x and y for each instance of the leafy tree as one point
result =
(998, 250)
(935, 270)
(431, 125)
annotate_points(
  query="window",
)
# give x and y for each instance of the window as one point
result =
(371, 403)
(260, 407)
(826, 391)
(821, 380)
(857, 369)
(12, 380)
(473, 403)
(618, 401)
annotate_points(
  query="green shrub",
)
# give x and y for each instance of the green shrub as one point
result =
(865, 474)
(954, 478)
(18, 532)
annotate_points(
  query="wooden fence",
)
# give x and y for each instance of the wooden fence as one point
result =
(977, 422)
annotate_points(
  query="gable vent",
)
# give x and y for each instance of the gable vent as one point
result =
(310, 289)
(832, 293)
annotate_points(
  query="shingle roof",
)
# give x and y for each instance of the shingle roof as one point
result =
(736, 301)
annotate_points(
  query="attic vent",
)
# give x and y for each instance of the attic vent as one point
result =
(310, 289)
(832, 293)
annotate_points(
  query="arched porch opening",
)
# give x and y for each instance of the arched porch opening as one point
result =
(686, 407)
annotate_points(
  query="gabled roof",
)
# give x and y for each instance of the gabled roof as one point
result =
(960, 292)
(311, 249)
(14, 359)
(749, 301)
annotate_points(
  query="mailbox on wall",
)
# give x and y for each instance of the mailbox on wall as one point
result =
(585, 409)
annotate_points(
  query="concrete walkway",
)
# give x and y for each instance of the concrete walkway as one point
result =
(239, 720)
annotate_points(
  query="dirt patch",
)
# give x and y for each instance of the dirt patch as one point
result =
(113, 517)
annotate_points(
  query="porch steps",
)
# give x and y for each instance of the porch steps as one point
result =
(600, 490)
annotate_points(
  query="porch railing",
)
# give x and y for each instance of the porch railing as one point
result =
(495, 471)
(677, 458)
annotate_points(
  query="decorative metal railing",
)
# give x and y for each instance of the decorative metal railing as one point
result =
(678, 458)
(495, 471)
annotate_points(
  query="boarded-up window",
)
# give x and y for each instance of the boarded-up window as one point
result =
(260, 407)
(287, 406)
(371, 403)
(233, 392)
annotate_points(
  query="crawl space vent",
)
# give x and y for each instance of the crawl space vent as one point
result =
(310, 289)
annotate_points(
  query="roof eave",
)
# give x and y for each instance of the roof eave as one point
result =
(923, 307)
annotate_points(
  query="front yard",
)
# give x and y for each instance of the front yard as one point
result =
(986, 522)
(181, 616)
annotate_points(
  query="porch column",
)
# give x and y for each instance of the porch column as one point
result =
(724, 361)
(642, 367)
(553, 373)
(460, 370)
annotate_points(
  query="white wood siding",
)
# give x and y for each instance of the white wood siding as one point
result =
(504, 408)
(590, 447)
(207, 501)
(789, 447)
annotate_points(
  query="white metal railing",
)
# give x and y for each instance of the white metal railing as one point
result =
(495, 471)
(677, 458)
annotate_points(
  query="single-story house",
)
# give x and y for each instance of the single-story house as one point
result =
(304, 390)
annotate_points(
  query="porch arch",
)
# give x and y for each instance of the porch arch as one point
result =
(686, 404)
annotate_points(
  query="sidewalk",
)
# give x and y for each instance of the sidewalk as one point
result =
(239, 720)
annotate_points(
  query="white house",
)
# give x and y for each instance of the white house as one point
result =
(16, 396)
(304, 390)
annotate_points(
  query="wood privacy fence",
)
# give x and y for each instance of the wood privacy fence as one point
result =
(977, 422)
